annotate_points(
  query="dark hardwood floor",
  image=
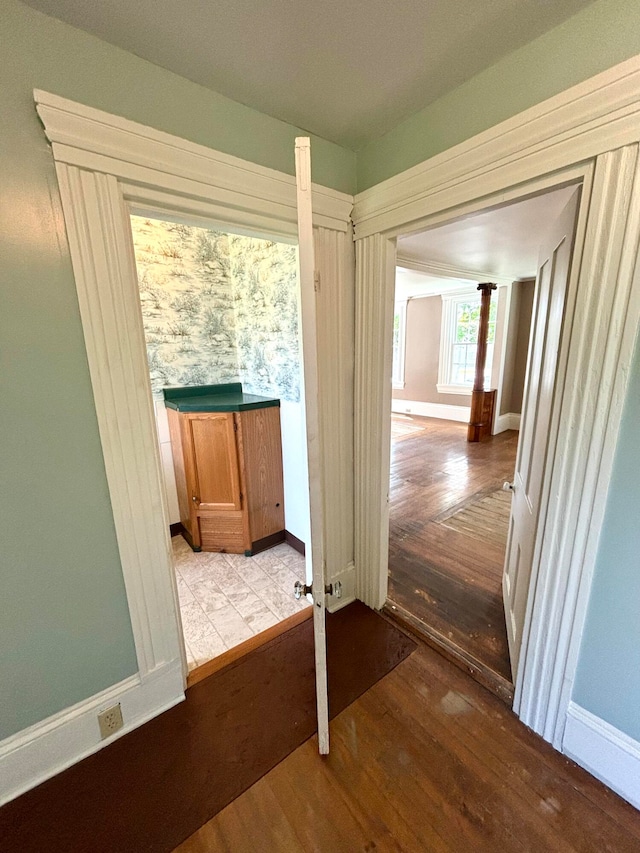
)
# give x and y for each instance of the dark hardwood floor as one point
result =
(426, 760)
(155, 786)
(445, 583)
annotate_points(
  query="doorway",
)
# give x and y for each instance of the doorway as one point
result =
(221, 310)
(450, 499)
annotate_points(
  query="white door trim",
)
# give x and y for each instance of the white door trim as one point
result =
(309, 284)
(565, 139)
(576, 125)
(108, 167)
(168, 166)
(460, 274)
(375, 294)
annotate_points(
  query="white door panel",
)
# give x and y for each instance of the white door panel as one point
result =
(314, 443)
(546, 327)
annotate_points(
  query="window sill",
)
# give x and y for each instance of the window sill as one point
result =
(463, 390)
(397, 386)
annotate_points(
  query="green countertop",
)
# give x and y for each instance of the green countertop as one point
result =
(215, 398)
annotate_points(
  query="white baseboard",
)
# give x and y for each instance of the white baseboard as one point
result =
(45, 749)
(511, 420)
(431, 410)
(347, 578)
(606, 752)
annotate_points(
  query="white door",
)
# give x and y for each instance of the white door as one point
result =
(546, 325)
(314, 437)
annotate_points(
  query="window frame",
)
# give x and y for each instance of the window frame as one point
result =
(450, 301)
(397, 367)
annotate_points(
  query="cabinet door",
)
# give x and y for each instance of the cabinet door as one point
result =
(214, 460)
(261, 446)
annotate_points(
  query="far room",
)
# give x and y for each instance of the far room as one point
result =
(220, 312)
(476, 301)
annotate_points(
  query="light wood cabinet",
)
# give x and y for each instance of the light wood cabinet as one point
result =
(228, 468)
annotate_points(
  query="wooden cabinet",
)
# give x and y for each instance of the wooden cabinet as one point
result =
(228, 468)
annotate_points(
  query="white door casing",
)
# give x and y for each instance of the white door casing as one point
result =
(588, 133)
(375, 292)
(544, 342)
(335, 269)
(315, 448)
(107, 168)
(601, 323)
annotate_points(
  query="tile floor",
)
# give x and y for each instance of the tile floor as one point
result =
(227, 598)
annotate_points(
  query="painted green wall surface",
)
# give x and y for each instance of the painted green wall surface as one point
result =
(598, 37)
(65, 631)
(608, 677)
(42, 52)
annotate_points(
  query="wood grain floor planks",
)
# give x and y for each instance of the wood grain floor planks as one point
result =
(152, 788)
(425, 760)
(484, 518)
(447, 541)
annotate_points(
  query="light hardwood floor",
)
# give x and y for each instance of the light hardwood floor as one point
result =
(447, 582)
(425, 760)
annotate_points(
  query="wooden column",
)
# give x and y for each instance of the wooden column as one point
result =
(482, 402)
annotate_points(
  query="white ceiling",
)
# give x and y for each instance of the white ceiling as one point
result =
(501, 243)
(346, 70)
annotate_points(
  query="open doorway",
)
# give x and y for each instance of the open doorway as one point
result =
(221, 318)
(451, 499)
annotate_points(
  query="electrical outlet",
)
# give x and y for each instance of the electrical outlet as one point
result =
(110, 721)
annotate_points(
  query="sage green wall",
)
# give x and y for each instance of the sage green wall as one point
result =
(42, 52)
(598, 37)
(608, 676)
(64, 625)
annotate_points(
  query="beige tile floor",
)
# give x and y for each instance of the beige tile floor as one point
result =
(227, 598)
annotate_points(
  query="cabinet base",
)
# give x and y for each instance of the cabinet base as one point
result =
(189, 539)
(179, 529)
(256, 547)
(265, 543)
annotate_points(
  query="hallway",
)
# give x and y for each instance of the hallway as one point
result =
(426, 760)
(447, 537)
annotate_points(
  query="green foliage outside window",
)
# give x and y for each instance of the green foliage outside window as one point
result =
(466, 341)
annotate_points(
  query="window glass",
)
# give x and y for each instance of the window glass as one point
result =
(465, 341)
(399, 322)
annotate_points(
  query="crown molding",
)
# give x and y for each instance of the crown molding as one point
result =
(591, 118)
(437, 270)
(91, 139)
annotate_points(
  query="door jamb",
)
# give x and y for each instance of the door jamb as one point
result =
(107, 167)
(576, 176)
(597, 122)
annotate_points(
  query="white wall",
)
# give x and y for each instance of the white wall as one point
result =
(164, 440)
(294, 460)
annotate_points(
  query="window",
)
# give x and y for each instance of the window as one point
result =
(399, 337)
(459, 342)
